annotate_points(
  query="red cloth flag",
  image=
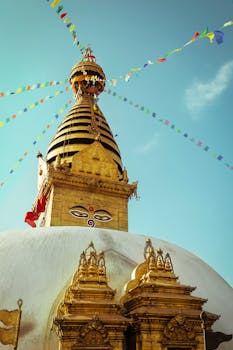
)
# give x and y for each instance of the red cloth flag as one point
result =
(195, 36)
(30, 218)
(163, 59)
(40, 205)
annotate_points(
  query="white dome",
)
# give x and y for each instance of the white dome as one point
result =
(37, 265)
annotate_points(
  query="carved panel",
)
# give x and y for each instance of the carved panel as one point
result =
(179, 329)
(93, 335)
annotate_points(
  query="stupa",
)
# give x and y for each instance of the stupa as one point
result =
(85, 281)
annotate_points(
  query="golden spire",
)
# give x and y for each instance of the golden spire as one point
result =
(84, 123)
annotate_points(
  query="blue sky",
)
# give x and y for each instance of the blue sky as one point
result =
(185, 194)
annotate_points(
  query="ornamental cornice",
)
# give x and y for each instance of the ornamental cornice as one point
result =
(87, 181)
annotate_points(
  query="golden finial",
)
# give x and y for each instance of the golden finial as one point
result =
(168, 263)
(88, 55)
(149, 249)
(160, 262)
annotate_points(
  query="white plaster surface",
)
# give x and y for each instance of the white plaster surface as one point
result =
(37, 264)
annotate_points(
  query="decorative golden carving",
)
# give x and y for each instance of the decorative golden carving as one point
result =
(179, 329)
(92, 334)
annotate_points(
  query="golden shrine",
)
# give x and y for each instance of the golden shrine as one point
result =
(155, 312)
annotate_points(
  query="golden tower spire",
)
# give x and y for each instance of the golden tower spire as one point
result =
(85, 183)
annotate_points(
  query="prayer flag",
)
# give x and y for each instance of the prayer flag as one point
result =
(54, 3)
(73, 26)
(63, 15)
(193, 39)
(218, 36)
(195, 36)
(59, 9)
(30, 218)
(227, 24)
(210, 36)
(203, 34)
(163, 59)
(40, 205)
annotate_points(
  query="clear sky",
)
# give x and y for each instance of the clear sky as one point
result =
(185, 194)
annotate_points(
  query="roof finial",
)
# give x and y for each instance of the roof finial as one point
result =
(88, 55)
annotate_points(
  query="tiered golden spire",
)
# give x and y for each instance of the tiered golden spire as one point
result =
(85, 122)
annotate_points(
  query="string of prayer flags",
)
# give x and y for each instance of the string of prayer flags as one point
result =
(48, 125)
(200, 144)
(33, 87)
(67, 21)
(217, 35)
(31, 106)
(35, 141)
(169, 53)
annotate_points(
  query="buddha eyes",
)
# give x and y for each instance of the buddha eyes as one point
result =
(99, 215)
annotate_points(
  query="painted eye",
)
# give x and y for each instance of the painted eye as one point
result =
(79, 212)
(102, 215)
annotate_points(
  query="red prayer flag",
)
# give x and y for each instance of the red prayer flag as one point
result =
(30, 222)
(161, 59)
(30, 218)
(40, 205)
(195, 36)
(63, 15)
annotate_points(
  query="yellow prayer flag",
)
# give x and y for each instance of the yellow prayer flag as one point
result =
(54, 3)
(31, 106)
(210, 36)
(19, 90)
(67, 20)
(72, 27)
